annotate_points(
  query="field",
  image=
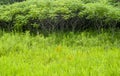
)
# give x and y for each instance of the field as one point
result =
(60, 54)
(59, 38)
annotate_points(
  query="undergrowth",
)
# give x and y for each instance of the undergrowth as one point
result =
(60, 54)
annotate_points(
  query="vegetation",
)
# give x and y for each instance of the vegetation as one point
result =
(47, 16)
(59, 38)
(60, 54)
(2, 2)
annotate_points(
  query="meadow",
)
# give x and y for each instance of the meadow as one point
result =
(85, 53)
(59, 38)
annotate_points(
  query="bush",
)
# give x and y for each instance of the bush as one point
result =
(47, 16)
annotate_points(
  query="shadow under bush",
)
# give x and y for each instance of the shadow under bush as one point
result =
(50, 16)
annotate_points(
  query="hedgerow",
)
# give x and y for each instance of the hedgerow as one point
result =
(54, 15)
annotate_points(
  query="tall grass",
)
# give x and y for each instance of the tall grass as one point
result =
(60, 54)
(61, 50)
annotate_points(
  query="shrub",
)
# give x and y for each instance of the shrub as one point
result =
(101, 14)
(47, 16)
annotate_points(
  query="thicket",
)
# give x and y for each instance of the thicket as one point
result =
(54, 15)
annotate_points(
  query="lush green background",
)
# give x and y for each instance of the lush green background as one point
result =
(59, 38)
(52, 15)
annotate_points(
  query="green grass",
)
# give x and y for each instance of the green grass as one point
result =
(60, 54)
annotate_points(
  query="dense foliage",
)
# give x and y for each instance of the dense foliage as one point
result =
(51, 15)
(64, 52)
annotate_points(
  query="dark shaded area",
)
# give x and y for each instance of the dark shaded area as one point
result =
(48, 25)
(2, 2)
